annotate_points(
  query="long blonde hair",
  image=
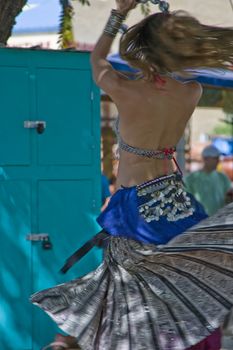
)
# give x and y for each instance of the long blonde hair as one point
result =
(173, 42)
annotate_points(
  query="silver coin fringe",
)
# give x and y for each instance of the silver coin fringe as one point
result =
(165, 198)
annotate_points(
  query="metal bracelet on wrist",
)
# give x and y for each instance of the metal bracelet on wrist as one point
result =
(114, 23)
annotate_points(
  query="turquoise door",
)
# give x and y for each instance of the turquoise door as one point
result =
(49, 182)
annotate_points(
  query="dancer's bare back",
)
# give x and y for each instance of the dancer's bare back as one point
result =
(152, 116)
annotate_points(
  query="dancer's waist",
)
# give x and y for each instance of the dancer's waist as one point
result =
(132, 173)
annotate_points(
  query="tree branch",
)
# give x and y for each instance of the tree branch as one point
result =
(8, 11)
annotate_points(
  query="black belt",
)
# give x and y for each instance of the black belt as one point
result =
(99, 240)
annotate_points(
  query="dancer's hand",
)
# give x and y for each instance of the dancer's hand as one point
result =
(124, 6)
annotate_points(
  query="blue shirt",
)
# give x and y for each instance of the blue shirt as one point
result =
(209, 189)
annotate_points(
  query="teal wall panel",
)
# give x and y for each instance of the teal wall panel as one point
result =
(15, 108)
(49, 182)
(70, 129)
(15, 271)
(68, 226)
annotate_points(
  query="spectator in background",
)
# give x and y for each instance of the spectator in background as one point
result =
(209, 186)
(105, 191)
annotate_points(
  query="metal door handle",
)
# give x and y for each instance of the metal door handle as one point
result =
(36, 237)
(40, 237)
(39, 125)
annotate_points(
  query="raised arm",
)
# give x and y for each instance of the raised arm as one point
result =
(104, 75)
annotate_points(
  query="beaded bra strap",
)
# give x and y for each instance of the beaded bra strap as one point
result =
(165, 153)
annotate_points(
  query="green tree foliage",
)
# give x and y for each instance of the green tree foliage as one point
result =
(211, 98)
(66, 35)
(226, 126)
(9, 9)
(228, 109)
(84, 2)
(223, 129)
(228, 101)
(145, 8)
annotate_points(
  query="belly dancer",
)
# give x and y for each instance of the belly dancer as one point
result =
(166, 281)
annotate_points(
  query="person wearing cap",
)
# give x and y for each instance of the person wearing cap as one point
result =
(209, 186)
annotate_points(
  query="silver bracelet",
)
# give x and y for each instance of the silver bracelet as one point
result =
(114, 23)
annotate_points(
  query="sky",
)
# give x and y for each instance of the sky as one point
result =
(38, 16)
(43, 15)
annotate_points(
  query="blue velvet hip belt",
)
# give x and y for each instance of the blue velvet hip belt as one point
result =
(152, 212)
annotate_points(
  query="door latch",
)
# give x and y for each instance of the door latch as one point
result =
(39, 125)
(40, 237)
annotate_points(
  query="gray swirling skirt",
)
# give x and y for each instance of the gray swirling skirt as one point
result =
(145, 297)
